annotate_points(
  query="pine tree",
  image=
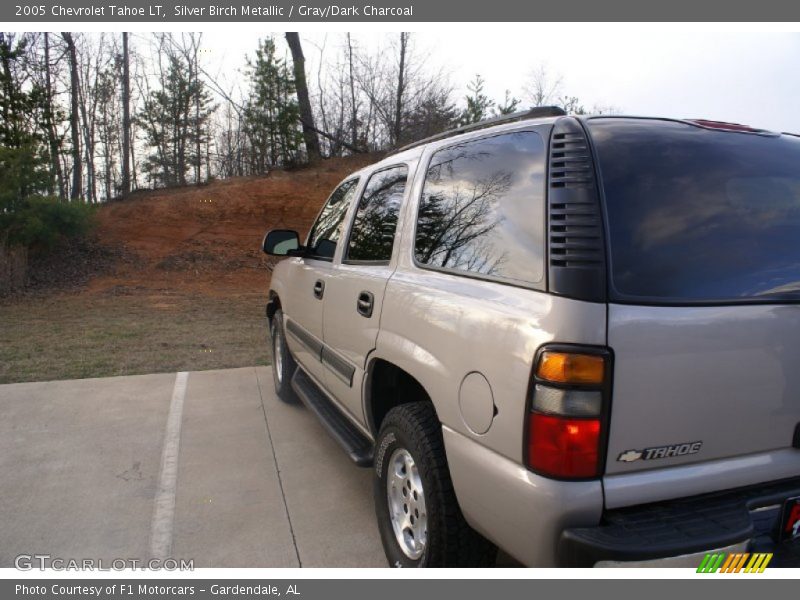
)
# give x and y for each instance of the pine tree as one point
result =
(509, 105)
(434, 113)
(23, 156)
(272, 114)
(478, 104)
(173, 119)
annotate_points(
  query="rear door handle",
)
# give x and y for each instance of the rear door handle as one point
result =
(319, 289)
(365, 303)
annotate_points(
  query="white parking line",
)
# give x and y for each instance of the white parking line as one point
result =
(164, 509)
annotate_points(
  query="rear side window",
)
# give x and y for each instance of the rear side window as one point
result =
(327, 230)
(482, 209)
(698, 215)
(372, 235)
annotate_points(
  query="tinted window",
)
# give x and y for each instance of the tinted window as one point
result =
(373, 231)
(482, 208)
(327, 230)
(697, 214)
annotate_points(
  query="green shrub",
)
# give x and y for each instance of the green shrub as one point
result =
(43, 221)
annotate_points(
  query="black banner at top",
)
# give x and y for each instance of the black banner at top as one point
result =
(389, 11)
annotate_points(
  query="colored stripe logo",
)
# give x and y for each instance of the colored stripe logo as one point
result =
(721, 562)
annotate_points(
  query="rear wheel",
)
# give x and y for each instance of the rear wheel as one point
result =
(283, 365)
(419, 519)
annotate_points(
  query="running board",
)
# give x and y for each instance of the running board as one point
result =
(356, 444)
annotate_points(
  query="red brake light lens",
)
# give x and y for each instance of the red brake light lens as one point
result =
(562, 447)
(723, 126)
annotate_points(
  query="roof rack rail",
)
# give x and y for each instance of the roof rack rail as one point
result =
(538, 112)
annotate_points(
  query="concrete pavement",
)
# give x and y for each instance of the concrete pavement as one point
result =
(259, 482)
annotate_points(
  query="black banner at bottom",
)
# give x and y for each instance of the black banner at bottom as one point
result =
(391, 589)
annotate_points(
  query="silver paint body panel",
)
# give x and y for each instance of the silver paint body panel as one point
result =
(728, 376)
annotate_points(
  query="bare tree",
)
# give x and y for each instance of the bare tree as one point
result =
(353, 104)
(190, 48)
(400, 90)
(134, 67)
(606, 109)
(126, 117)
(49, 120)
(306, 114)
(95, 63)
(372, 100)
(543, 88)
(233, 151)
(74, 119)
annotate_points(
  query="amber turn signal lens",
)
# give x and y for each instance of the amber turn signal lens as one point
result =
(567, 367)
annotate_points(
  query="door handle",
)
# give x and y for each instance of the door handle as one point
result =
(365, 303)
(319, 289)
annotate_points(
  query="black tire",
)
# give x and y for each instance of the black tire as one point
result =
(283, 364)
(450, 542)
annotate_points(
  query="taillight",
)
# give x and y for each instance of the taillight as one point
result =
(565, 422)
(562, 447)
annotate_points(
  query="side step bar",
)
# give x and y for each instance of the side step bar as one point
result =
(356, 444)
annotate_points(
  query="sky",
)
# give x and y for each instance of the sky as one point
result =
(745, 77)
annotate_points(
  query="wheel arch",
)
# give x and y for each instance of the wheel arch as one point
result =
(388, 385)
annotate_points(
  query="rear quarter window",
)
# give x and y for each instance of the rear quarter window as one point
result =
(482, 209)
(699, 215)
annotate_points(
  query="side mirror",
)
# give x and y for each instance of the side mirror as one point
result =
(282, 242)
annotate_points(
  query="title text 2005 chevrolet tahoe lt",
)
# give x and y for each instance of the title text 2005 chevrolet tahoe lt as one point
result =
(577, 339)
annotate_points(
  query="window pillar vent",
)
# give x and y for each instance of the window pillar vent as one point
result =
(576, 246)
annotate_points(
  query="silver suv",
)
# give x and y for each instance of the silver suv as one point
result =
(577, 339)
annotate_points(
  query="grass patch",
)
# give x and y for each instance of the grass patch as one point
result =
(84, 335)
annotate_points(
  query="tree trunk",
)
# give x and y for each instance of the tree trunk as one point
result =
(107, 158)
(134, 181)
(74, 119)
(198, 141)
(353, 107)
(8, 80)
(198, 128)
(52, 140)
(89, 135)
(398, 110)
(306, 116)
(126, 118)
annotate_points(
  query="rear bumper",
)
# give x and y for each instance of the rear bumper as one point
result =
(741, 520)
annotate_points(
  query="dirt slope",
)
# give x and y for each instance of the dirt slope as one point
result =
(170, 280)
(207, 239)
